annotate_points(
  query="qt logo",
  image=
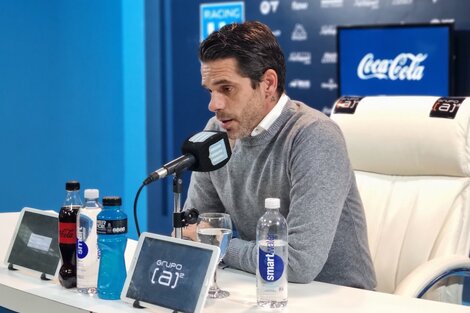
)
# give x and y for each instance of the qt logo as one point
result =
(446, 107)
(267, 7)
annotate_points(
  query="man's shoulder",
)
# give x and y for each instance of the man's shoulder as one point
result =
(304, 116)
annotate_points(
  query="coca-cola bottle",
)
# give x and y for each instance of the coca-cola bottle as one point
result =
(68, 234)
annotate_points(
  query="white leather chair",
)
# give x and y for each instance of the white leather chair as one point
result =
(412, 164)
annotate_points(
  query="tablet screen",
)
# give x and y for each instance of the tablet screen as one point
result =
(171, 273)
(35, 245)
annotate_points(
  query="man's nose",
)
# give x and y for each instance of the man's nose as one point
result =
(217, 102)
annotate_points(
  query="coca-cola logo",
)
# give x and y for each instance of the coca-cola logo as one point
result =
(405, 66)
(67, 233)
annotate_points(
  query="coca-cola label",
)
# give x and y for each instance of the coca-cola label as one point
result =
(347, 105)
(67, 233)
(111, 227)
(446, 107)
(405, 66)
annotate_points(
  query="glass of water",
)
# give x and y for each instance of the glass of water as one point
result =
(215, 229)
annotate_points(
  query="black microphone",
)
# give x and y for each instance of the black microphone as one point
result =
(205, 151)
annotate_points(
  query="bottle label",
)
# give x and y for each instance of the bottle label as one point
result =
(82, 249)
(67, 233)
(271, 266)
(111, 227)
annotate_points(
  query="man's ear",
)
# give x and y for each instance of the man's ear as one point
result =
(270, 83)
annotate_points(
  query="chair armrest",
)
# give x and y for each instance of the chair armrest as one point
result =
(427, 274)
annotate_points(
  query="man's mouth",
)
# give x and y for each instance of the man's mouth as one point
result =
(225, 123)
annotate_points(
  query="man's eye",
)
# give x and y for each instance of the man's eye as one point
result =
(227, 89)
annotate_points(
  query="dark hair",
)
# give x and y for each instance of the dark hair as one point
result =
(254, 47)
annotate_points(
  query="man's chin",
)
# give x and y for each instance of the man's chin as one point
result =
(232, 134)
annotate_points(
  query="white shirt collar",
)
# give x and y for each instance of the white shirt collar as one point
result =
(269, 119)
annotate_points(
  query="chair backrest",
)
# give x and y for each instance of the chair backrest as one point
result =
(411, 156)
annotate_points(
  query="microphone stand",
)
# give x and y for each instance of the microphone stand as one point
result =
(181, 218)
(177, 189)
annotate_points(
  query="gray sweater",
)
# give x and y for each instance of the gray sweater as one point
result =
(302, 160)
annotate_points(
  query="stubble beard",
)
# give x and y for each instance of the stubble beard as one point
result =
(250, 117)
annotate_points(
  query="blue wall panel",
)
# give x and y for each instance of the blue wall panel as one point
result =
(62, 100)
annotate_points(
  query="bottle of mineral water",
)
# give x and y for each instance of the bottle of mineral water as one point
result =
(87, 245)
(271, 272)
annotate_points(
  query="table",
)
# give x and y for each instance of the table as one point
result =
(21, 291)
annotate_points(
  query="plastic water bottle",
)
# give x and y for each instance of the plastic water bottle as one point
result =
(87, 245)
(68, 234)
(271, 272)
(112, 240)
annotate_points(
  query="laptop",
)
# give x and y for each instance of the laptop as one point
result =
(170, 274)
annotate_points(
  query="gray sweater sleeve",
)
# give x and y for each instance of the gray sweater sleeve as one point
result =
(320, 179)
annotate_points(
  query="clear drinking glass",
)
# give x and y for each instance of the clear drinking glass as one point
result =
(215, 229)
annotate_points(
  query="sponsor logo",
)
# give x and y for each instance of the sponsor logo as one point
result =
(330, 85)
(169, 265)
(299, 5)
(347, 105)
(446, 107)
(299, 33)
(277, 33)
(405, 66)
(166, 273)
(214, 16)
(270, 266)
(218, 152)
(111, 226)
(402, 2)
(373, 4)
(201, 136)
(328, 30)
(301, 57)
(268, 7)
(444, 20)
(300, 84)
(329, 58)
(331, 4)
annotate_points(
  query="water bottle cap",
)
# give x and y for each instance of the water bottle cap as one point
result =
(272, 203)
(72, 185)
(112, 201)
(92, 193)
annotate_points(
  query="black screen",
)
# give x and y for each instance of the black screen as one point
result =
(168, 274)
(36, 245)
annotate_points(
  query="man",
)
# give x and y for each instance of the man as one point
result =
(282, 149)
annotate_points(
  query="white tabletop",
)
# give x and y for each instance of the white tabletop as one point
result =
(24, 292)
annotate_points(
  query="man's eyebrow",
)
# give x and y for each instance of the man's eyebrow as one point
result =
(219, 82)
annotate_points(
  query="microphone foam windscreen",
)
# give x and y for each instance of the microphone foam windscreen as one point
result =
(210, 148)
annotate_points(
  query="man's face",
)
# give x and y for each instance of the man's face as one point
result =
(238, 107)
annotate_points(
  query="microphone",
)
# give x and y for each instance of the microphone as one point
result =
(205, 151)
